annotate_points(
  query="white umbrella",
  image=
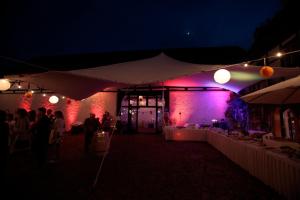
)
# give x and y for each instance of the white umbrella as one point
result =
(285, 92)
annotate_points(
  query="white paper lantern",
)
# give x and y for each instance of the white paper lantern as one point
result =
(4, 84)
(53, 99)
(222, 76)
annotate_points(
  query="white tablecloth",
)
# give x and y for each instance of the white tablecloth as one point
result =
(184, 134)
(274, 169)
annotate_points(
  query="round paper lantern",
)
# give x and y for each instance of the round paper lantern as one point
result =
(4, 84)
(222, 76)
(266, 71)
(53, 99)
(28, 94)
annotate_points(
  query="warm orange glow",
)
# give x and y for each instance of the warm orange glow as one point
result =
(266, 72)
(28, 94)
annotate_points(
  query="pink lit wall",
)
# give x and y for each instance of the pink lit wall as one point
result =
(74, 111)
(198, 107)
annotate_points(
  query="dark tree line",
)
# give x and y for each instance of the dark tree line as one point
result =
(275, 30)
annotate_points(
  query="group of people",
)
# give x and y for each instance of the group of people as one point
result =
(42, 132)
(31, 130)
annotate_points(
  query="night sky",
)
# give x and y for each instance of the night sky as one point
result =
(54, 27)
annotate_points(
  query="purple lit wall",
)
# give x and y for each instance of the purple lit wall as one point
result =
(198, 107)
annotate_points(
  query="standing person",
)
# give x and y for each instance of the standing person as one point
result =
(41, 136)
(32, 121)
(50, 115)
(91, 125)
(21, 130)
(106, 121)
(58, 130)
(4, 150)
(11, 123)
(31, 117)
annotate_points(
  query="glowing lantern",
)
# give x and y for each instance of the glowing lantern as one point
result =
(28, 94)
(266, 71)
(4, 84)
(53, 99)
(222, 76)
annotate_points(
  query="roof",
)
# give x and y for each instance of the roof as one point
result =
(160, 69)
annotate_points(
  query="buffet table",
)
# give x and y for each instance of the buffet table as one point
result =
(267, 164)
(273, 168)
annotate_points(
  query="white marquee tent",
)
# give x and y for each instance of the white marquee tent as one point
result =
(79, 84)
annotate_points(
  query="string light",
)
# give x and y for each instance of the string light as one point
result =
(19, 85)
(279, 54)
(245, 64)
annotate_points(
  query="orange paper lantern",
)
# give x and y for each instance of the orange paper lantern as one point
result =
(28, 94)
(266, 71)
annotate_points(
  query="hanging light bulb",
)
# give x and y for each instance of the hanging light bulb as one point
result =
(279, 54)
(19, 86)
(4, 84)
(222, 76)
(53, 99)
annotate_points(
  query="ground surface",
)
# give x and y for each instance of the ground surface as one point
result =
(137, 167)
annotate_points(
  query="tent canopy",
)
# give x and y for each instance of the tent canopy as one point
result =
(79, 84)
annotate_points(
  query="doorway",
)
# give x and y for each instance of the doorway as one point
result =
(142, 112)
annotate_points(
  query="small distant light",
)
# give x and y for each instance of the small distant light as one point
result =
(103, 132)
(44, 95)
(63, 97)
(279, 54)
(246, 65)
(19, 86)
(32, 91)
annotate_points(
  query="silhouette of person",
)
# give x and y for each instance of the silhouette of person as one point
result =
(4, 148)
(41, 136)
(91, 125)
